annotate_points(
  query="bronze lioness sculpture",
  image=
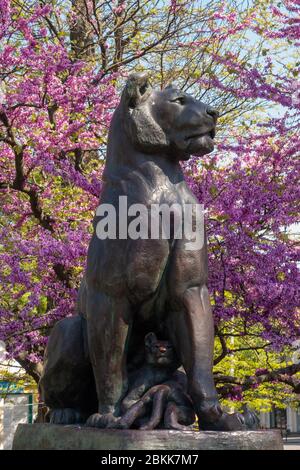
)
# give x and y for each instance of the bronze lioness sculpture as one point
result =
(132, 287)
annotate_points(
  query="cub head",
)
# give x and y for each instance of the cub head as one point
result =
(160, 353)
(167, 122)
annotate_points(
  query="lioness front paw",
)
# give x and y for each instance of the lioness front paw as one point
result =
(106, 420)
(251, 420)
(210, 410)
(211, 417)
(226, 422)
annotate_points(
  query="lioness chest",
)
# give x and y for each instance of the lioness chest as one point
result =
(168, 266)
(146, 267)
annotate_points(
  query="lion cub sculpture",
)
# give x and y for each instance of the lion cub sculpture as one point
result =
(157, 391)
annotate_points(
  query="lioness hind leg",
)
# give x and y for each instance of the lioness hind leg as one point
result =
(67, 384)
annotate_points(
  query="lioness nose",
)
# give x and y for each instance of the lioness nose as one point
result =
(212, 112)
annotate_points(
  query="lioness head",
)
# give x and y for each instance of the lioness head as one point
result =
(168, 121)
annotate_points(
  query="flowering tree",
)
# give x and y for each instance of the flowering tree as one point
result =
(251, 190)
(53, 115)
(61, 65)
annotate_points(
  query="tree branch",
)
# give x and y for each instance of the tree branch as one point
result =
(283, 374)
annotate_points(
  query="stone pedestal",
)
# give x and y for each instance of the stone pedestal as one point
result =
(54, 437)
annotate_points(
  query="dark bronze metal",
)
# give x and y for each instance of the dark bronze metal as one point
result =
(134, 287)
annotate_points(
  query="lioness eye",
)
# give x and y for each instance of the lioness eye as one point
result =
(179, 100)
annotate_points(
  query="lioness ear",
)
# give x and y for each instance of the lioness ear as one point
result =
(150, 338)
(137, 89)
